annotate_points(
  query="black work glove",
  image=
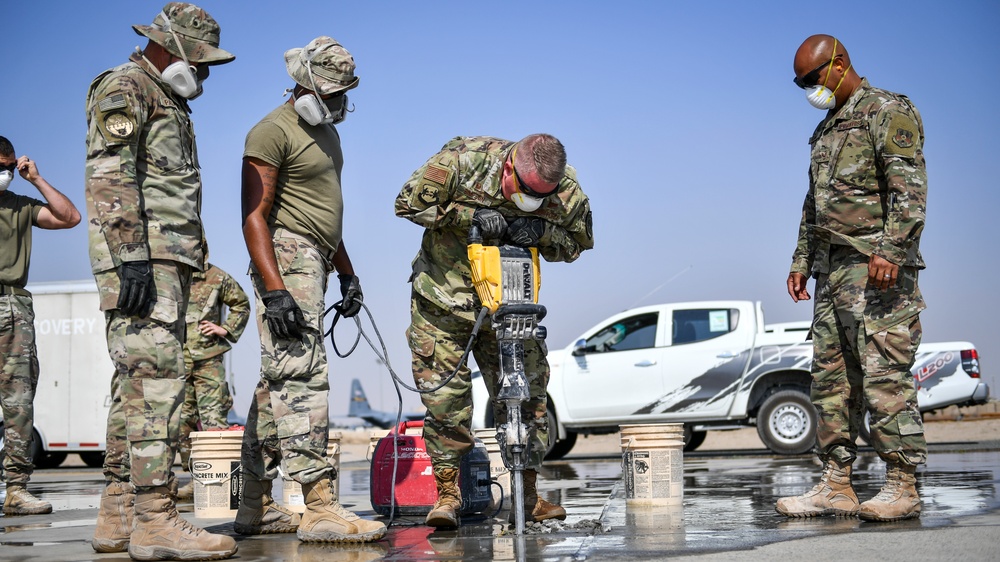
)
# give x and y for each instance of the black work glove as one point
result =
(490, 222)
(138, 292)
(284, 317)
(525, 231)
(350, 289)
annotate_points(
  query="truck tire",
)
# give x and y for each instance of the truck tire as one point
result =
(93, 459)
(558, 448)
(786, 422)
(865, 431)
(693, 439)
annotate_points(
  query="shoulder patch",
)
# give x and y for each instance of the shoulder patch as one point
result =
(119, 124)
(902, 135)
(437, 174)
(116, 101)
(903, 138)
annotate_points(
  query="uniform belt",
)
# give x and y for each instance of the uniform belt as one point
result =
(9, 290)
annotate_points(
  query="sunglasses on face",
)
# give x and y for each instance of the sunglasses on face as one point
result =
(9, 167)
(523, 187)
(812, 77)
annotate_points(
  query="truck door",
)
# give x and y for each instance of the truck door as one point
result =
(616, 370)
(707, 353)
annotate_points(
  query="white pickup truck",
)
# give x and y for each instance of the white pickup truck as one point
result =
(712, 365)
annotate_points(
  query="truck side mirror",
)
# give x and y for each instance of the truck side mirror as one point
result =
(580, 348)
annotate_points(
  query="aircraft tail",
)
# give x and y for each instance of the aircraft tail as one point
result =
(359, 407)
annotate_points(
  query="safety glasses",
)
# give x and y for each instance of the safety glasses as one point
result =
(812, 77)
(523, 187)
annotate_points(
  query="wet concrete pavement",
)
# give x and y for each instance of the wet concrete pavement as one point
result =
(727, 514)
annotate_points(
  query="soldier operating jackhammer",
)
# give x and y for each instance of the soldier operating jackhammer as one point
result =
(524, 194)
(507, 281)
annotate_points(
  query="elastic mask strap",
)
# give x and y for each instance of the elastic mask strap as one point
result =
(326, 111)
(180, 46)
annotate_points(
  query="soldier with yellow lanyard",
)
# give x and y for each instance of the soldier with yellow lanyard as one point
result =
(860, 237)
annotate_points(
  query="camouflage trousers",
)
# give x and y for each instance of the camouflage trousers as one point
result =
(289, 415)
(856, 371)
(206, 401)
(437, 340)
(147, 387)
(18, 381)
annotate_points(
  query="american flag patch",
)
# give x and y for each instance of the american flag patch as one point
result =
(436, 174)
(112, 102)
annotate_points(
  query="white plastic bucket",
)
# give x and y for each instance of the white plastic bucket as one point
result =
(653, 466)
(498, 471)
(215, 471)
(291, 491)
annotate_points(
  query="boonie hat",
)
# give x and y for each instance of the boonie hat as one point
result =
(332, 66)
(198, 33)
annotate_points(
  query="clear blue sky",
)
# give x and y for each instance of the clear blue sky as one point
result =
(680, 117)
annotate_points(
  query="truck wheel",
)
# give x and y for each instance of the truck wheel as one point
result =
(93, 459)
(558, 448)
(693, 439)
(786, 422)
(50, 460)
(865, 431)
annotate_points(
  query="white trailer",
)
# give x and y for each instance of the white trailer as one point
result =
(74, 384)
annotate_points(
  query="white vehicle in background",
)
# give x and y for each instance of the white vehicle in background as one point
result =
(711, 365)
(74, 384)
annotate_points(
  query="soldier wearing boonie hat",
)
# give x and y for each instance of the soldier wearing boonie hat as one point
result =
(196, 32)
(292, 163)
(332, 66)
(143, 191)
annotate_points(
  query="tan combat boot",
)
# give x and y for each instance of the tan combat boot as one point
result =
(535, 508)
(259, 514)
(326, 521)
(114, 519)
(161, 534)
(449, 502)
(20, 502)
(898, 498)
(186, 491)
(833, 495)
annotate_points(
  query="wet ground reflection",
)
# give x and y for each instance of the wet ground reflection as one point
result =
(728, 504)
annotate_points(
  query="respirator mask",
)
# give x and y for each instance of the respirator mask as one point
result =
(316, 111)
(181, 75)
(6, 176)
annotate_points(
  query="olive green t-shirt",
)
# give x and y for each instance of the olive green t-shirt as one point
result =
(308, 199)
(17, 215)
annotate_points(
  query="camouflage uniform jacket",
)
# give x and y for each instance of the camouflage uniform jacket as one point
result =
(209, 291)
(867, 182)
(142, 176)
(442, 196)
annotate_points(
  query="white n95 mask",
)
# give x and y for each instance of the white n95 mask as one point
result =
(526, 203)
(820, 97)
(6, 177)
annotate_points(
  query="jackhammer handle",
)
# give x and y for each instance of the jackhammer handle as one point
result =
(475, 235)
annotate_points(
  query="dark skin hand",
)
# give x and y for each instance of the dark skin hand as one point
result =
(882, 274)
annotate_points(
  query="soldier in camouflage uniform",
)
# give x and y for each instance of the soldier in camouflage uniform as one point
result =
(860, 237)
(529, 198)
(143, 187)
(18, 358)
(207, 399)
(292, 222)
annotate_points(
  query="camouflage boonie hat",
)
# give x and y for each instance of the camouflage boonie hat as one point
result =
(198, 33)
(332, 66)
